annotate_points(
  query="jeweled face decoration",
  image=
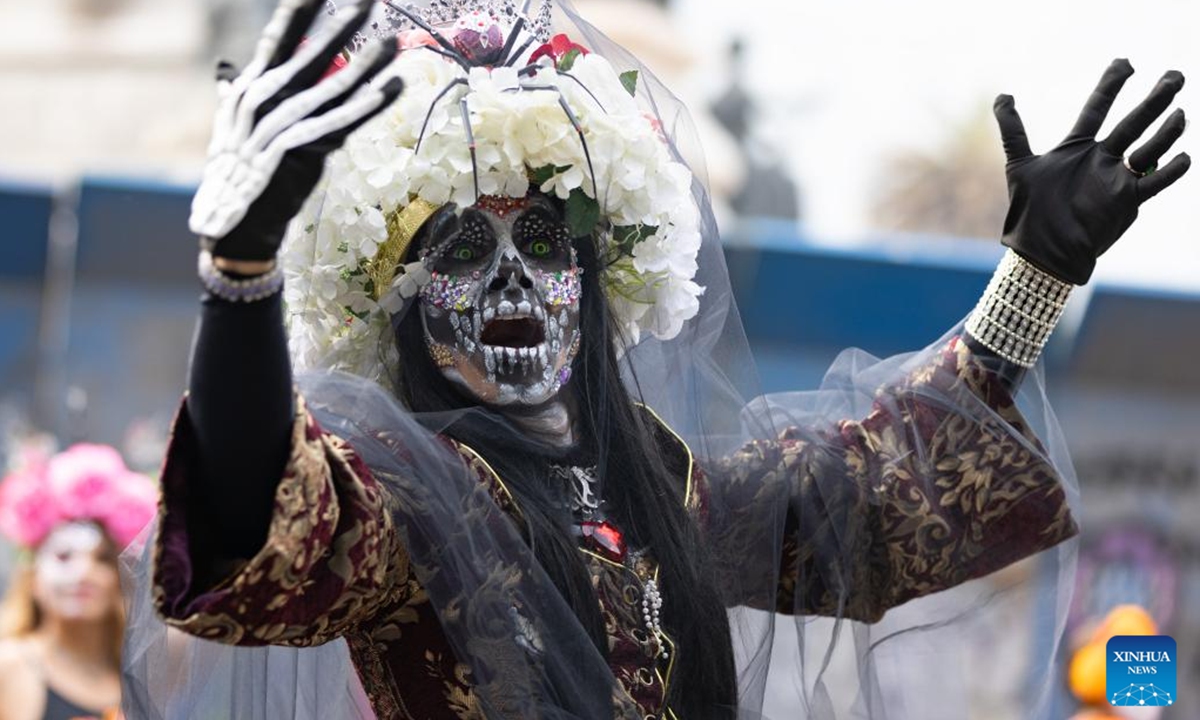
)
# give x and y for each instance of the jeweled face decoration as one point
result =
(501, 313)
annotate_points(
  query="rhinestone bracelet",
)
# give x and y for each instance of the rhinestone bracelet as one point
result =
(245, 290)
(1018, 310)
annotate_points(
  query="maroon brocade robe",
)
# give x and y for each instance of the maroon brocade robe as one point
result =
(972, 498)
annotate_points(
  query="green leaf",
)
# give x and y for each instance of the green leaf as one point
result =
(626, 236)
(537, 176)
(582, 213)
(568, 59)
(629, 81)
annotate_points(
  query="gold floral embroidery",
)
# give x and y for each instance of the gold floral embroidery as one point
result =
(330, 560)
(911, 499)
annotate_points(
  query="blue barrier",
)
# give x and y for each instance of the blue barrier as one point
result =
(1138, 337)
(801, 301)
(25, 210)
(884, 297)
(134, 302)
(135, 231)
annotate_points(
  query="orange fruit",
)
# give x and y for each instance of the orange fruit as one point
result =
(1086, 674)
(1125, 620)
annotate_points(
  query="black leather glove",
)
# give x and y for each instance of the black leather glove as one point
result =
(278, 120)
(1069, 206)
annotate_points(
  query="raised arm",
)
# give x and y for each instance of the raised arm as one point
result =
(1066, 209)
(939, 482)
(250, 481)
(275, 124)
(942, 480)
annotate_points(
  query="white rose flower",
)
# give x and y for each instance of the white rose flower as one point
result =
(632, 176)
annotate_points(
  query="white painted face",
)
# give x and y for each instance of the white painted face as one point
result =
(75, 573)
(501, 314)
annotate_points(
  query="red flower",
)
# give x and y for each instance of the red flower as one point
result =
(339, 60)
(561, 50)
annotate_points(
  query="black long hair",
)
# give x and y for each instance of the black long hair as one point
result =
(643, 494)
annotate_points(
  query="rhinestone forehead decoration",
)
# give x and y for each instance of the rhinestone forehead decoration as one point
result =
(502, 207)
(389, 22)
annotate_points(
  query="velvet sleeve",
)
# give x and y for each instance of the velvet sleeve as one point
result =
(943, 481)
(331, 556)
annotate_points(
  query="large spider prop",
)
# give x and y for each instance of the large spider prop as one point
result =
(487, 51)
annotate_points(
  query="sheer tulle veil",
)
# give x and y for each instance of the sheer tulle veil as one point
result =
(928, 658)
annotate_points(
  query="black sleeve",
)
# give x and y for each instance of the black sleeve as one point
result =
(240, 404)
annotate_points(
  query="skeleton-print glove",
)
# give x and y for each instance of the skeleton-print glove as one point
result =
(277, 121)
(1069, 206)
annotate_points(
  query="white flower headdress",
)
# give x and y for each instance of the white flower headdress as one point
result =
(484, 112)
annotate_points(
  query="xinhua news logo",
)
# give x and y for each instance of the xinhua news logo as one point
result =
(1140, 670)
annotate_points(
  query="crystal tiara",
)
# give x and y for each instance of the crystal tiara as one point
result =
(390, 21)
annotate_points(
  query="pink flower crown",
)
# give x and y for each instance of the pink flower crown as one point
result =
(86, 482)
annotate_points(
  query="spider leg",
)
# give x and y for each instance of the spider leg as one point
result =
(466, 118)
(529, 70)
(562, 102)
(450, 86)
(587, 155)
(512, 40)
(437, 36)
(585, 87)
(441, 52)
(519, 51)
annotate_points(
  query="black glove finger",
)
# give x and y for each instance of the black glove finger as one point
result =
(1012, 130)
(1160, 180)
(326, 95)
(310, 72)
(1142, 116)
(297, 27)
(261, 232)
(226, 71)
(385, 58)
(316, 136)
(278, 39)
(1146, 157)
(1098, 104)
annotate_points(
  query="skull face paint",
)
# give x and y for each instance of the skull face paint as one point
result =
(75, 573)
(501, 313)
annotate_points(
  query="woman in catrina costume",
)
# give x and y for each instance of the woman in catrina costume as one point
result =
(470, 393)
(62, 620)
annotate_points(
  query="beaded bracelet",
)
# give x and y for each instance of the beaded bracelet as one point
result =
(245, 290)
(1018, 311)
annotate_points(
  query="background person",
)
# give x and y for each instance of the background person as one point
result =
(62, 619)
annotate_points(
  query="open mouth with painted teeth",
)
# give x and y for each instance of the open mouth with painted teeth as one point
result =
(513, 332)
